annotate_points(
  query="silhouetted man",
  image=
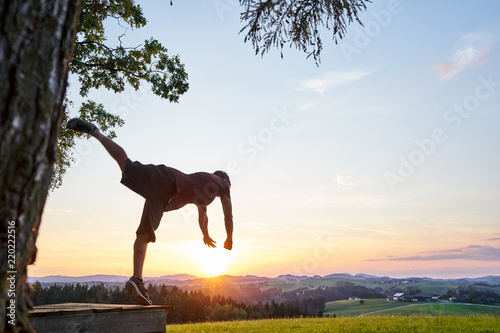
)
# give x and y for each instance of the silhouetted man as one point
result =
(164, 189)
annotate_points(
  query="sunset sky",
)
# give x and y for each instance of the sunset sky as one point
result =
(383, 160)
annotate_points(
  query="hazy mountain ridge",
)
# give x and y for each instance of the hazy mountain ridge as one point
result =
(184, 278)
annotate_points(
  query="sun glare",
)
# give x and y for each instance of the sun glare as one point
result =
(213, 262)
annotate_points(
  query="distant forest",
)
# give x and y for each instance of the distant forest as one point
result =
(189, 306)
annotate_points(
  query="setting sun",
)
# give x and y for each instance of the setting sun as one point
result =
(213, 262)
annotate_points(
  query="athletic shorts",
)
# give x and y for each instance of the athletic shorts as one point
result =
(156, 184)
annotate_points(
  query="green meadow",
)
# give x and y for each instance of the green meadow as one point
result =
(449, 309)
(375, 315)
(481, 323)
(352, 308)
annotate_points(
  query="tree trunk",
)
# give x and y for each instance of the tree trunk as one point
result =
(36, 45)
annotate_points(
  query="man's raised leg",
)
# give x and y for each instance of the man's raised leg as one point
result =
(112, 147)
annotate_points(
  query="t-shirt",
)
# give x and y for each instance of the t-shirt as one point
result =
(198, 188)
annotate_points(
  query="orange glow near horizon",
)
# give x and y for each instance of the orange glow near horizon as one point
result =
(213, 262)
(80, 251)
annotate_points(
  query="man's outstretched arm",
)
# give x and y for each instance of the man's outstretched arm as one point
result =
(203, 221)
(228, 221)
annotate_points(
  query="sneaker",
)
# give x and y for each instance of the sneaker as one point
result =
(139, 293)
(79, 125)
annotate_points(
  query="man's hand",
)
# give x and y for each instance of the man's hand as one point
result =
(209, 241)
(228, 244)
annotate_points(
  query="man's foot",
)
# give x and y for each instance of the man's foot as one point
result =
(79, 125)
(139, 293)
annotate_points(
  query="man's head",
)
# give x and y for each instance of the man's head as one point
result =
(223, 175)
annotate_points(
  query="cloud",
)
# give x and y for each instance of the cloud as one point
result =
(331, 80)
(472, 252)
(473, 50)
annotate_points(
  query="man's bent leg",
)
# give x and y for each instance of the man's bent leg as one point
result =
(135, 285)
(140, 247)
(113, 148)
(151, 216)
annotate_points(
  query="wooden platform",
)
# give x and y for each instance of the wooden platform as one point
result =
(89, 317)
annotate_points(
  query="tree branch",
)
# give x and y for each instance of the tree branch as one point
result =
(110, 50)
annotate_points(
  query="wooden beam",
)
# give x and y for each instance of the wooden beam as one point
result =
(89, 318)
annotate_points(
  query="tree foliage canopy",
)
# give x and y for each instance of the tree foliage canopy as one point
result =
(96, 64)
(275, 23)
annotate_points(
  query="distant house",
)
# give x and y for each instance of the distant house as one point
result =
(419, 297)
(413, 298)
(396, 297)
(353, 297)
(426, 297)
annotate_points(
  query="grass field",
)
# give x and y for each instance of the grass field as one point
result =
(378, 316)
(450, 309)
(388, 324)
(352, 308)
